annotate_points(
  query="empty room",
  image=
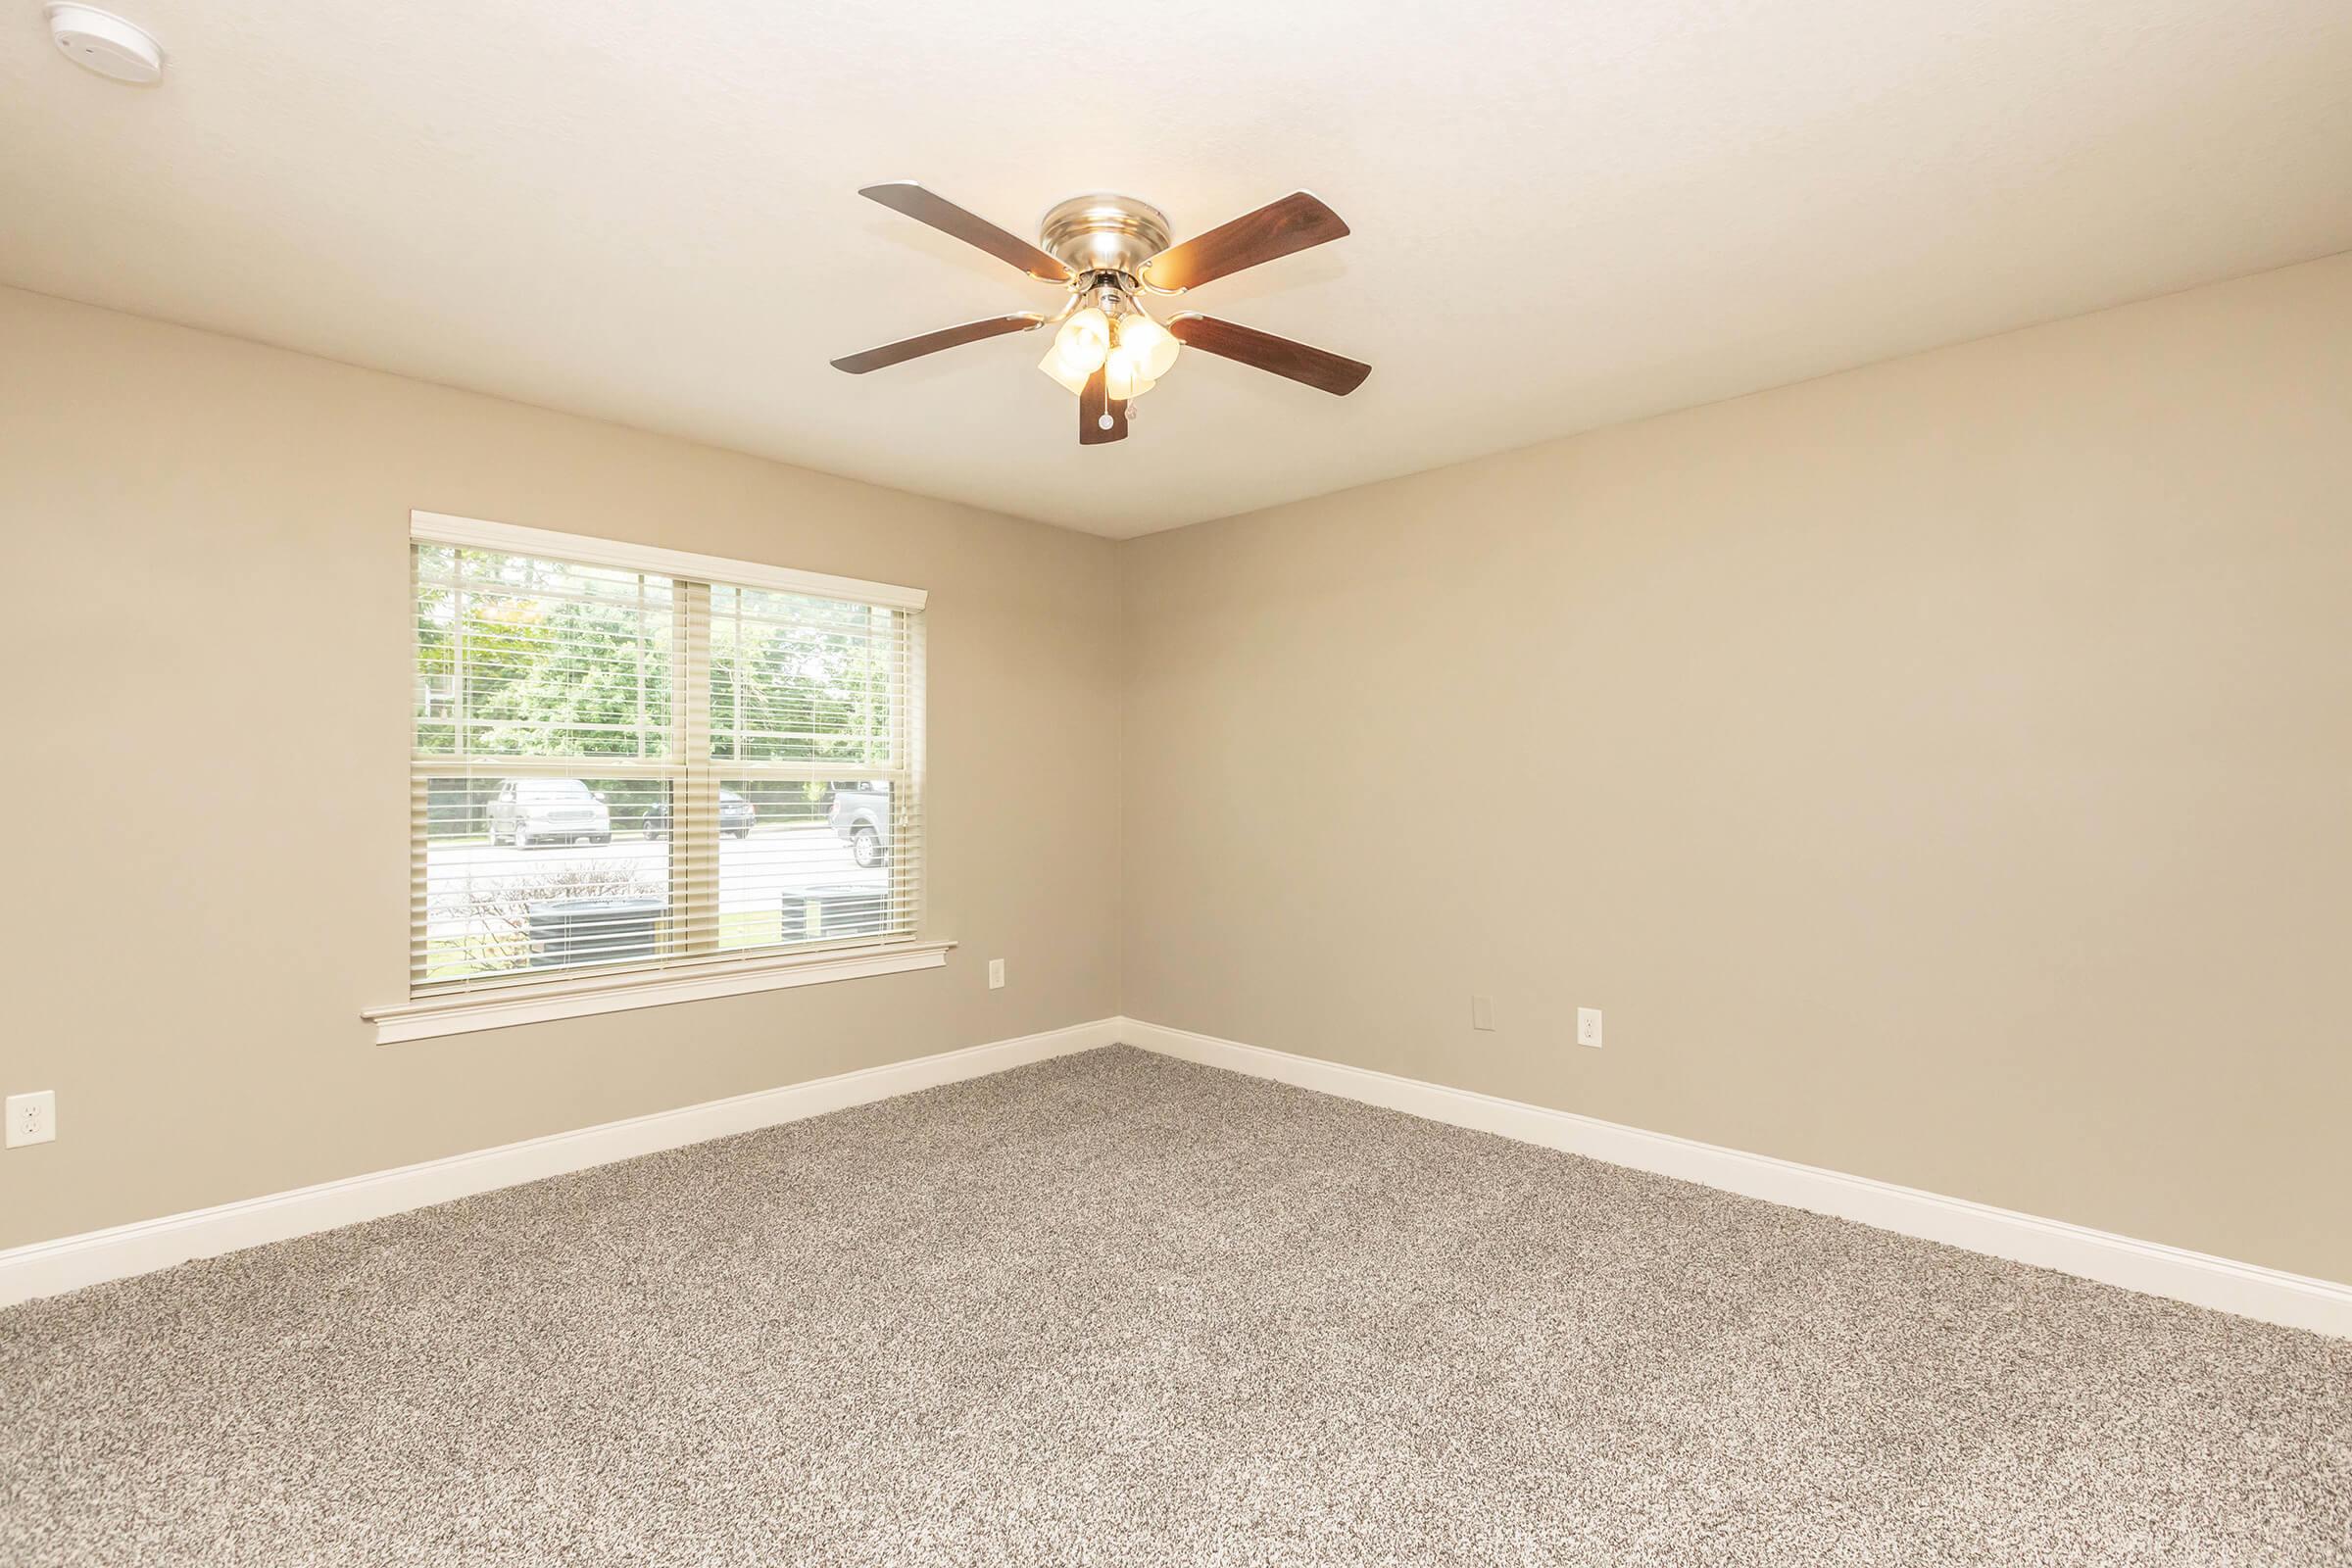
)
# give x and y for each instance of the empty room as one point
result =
(1317, 784)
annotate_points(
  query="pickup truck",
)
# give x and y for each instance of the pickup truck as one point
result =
(860, 814)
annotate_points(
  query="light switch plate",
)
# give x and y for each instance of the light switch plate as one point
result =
(32, 1118)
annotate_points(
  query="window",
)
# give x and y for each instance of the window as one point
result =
(638, 768)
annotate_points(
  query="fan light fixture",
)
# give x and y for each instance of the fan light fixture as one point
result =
(1131, 350)
(1109, 251)
(1079, 348)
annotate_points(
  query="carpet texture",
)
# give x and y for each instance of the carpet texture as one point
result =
(1119, 1310)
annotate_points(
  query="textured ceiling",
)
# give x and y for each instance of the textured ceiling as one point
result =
(1565, 213)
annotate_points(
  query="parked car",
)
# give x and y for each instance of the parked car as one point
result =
(548, 810)
(860, 814)
(736, 817)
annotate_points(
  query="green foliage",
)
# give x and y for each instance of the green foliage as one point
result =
(565, 680)
(787, 692)
(558, 664)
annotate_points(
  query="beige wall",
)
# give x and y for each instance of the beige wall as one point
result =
(1940, 772)
(204, 805)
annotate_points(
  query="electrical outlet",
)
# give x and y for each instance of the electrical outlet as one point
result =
(32, 1118)
(1481, 1012)
(996, 974)
(1587, 1027)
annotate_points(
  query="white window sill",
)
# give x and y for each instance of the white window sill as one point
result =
(464, 1013)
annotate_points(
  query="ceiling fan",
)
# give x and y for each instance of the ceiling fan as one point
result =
(1110, 252)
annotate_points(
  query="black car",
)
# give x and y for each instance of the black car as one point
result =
(736, 816)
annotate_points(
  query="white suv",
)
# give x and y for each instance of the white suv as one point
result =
(548, 810)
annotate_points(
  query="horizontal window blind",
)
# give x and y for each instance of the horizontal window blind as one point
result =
(619, 771)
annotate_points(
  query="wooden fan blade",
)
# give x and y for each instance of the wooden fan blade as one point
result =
(905, 196)
(1333, 373)
(1092, 403)
(1293, 224)
(946, 338)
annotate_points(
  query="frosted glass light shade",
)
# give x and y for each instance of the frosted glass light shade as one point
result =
(1153, 346)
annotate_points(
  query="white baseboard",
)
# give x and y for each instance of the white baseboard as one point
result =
(2149, 1267)
(46, 1268)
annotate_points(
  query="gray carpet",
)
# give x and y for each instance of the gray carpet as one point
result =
(1119, 1310)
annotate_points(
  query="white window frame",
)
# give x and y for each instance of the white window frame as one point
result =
(538, 1001)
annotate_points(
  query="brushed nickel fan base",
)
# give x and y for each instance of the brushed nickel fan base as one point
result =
(1105, 232)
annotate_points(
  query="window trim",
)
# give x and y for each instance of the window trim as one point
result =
(711, 975)
(472, 533)
(464, 1013)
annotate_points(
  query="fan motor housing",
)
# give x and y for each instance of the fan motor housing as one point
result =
(1104, 233)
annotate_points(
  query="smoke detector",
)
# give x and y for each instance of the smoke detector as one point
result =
(98, 40)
